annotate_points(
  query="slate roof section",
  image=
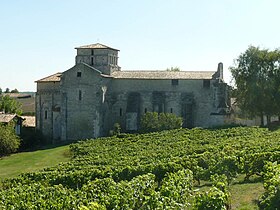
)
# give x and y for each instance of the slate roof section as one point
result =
(95, 46)
(51, 78)
(163, 74)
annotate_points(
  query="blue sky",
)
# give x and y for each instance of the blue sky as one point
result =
(38, 37)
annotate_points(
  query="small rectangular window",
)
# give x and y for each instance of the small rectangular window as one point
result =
(80, 95)
(46, 114)
(206, 83)
(146, 110)
(79, 74)
(174, 82)
(171, 110)
(120, 112)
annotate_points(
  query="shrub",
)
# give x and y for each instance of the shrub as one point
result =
(9, 141)
(176, 188)
(31, 138)
(217, 197)
(270, 199)
(152, 122)
(214, 199)
(116, 130)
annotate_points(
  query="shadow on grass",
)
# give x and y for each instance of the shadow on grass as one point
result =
(251, 180)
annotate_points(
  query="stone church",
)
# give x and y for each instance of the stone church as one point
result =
(86, 100)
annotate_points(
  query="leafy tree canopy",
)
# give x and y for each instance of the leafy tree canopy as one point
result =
(256, 74)
(173, 69)
(9, 141)
(10, 105)
(14, 91)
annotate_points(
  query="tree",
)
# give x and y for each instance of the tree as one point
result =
(9, 141)
(153, 121)
(256, 74)
(15, 91)
(9, 105)
(173, 69)
(1, 91)
(7, 90)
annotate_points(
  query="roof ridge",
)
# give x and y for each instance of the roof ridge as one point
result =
(95, 46)
(91, 67)
(137, 70)
(42, 80)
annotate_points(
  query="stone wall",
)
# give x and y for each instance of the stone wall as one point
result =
(85, 104)
(189, 99)
(81, 103)
(105, 60)
(48, 102)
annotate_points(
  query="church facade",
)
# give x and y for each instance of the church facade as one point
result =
(86, 100)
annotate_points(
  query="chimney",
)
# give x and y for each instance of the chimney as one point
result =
(220, 70)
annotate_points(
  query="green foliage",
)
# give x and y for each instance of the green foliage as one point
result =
(214, 199)
(257, 78)
(134, 194)
(169, 121)
(9, 141)
(9, 105)
(149, 122)
(271, 198)
(38, 196)
(92, 206)
(116, 130)
(147, 171)
(217, 197)
(14, 91)
(173, 69)
(153, 121)
(176, 188)
(31, 138)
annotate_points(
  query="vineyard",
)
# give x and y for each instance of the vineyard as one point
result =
(161, 170)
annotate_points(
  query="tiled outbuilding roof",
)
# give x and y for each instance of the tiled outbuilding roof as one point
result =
(51, 78)
(95, 46)
(6, 118)
(163, 74)
(29, 121)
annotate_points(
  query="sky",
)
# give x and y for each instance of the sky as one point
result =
(38, 37)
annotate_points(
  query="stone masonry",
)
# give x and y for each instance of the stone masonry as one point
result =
(86, 100)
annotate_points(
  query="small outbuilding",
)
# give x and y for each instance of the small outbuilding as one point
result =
(12, 119)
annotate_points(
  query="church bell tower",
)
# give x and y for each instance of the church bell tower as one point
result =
(99, 56)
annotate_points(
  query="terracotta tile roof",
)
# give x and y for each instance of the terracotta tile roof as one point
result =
(51, 78)
(163, 74)
(5, 118)
(95, 46)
